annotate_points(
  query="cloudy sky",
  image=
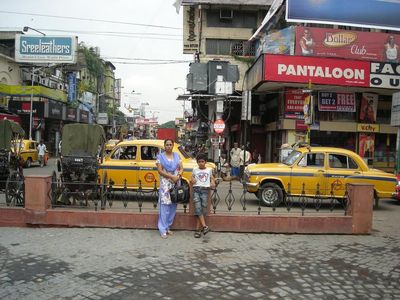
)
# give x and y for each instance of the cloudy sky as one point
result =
(142, 38)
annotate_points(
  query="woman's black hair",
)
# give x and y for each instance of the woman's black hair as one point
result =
(165, 141)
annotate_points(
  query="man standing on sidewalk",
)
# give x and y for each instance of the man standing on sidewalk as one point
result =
(42, 151)
(235, 159)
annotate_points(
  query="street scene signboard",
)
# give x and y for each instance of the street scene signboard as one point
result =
(336, 101)
(395, 117)
(45, 49)
(219, 126)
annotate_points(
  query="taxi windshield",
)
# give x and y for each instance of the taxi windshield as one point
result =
(293, 156)
(183, 152)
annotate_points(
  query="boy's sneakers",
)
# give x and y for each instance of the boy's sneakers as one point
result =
(197, 234)
(206, 229)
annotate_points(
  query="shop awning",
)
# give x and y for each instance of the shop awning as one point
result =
(37, 91)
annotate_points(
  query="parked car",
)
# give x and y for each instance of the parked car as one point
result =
(311, 171)
(135, 161)
(396, 193)
(29, 153)
(110, 145)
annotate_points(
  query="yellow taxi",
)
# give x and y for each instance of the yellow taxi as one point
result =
(315, 171)
(110, 145)
(134, 162)
(29, 152)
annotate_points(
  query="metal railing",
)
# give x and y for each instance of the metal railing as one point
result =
(227, 197)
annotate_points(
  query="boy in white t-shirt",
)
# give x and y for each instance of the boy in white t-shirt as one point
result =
(201, 182)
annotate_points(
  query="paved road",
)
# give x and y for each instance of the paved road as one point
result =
(87, 263)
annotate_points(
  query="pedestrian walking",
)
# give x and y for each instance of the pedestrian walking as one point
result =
(201, 182)
(41, 152)
(244, 160)
(170, 168)
(235, 160)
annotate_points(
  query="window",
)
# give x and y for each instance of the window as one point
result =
(338, 161)
(312, 160)
(149, 152)
(229, 47)
(125, 152)
(231, 19)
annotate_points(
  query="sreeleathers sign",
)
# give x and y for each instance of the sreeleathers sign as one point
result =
(45, 49)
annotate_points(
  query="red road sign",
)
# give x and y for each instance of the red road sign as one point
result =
(219, 126)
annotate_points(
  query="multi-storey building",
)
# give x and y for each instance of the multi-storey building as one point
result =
(330, 84)
(49, 87)
(218, 31)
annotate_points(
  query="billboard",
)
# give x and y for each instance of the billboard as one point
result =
(277, 42)
(327, 42)
(294, 103)
(379, 14)
(395, 116)
(336, 101)
(45, 49)
(318, 70)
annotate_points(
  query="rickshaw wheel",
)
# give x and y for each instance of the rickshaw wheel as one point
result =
(15, 189)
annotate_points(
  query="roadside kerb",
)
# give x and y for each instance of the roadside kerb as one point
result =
(38, 212)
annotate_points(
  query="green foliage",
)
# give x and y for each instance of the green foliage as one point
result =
(73, 104)
(94, 63)
(169, 124)
(247, 60)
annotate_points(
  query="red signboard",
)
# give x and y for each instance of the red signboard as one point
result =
(327, 42)
(219, 126)
(294, 103)
(318, 70)
(332, 101)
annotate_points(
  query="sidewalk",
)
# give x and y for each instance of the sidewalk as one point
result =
(87, 263)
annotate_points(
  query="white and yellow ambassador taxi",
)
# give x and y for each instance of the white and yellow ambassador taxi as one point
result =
(134, 162)
(312, 171)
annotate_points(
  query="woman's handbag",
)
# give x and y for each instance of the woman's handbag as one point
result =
(179, 194)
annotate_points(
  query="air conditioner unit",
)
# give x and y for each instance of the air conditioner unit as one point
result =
(226, 14)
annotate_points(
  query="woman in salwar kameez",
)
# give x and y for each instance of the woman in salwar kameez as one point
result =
(169, 166)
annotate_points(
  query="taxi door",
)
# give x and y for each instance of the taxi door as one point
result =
(340, 166)
(122, 165)
(148, 174)
(309, 171)
(33, 151)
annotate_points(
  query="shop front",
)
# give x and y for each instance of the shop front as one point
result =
(55, 116)
(328, 102)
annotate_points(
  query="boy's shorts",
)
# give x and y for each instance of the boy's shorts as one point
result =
(200, 200)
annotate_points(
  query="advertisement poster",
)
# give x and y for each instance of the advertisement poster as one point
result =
(327, 42)
(302, 69)
(278, 42)
(366, 145)
(382, 14)
(368, 108)
(332, 101)
(294, 104)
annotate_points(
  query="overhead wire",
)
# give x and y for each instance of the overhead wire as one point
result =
(88, 19)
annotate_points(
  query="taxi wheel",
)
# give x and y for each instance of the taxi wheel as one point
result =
(376, 201)
(28, 162)
(270, 194)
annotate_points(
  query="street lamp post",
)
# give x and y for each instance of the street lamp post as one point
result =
(183, 113)
(25, 29)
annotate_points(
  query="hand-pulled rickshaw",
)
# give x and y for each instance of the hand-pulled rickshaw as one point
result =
(76, 179)
(11, 173)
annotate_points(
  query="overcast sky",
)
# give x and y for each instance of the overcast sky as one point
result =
(154, 82)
